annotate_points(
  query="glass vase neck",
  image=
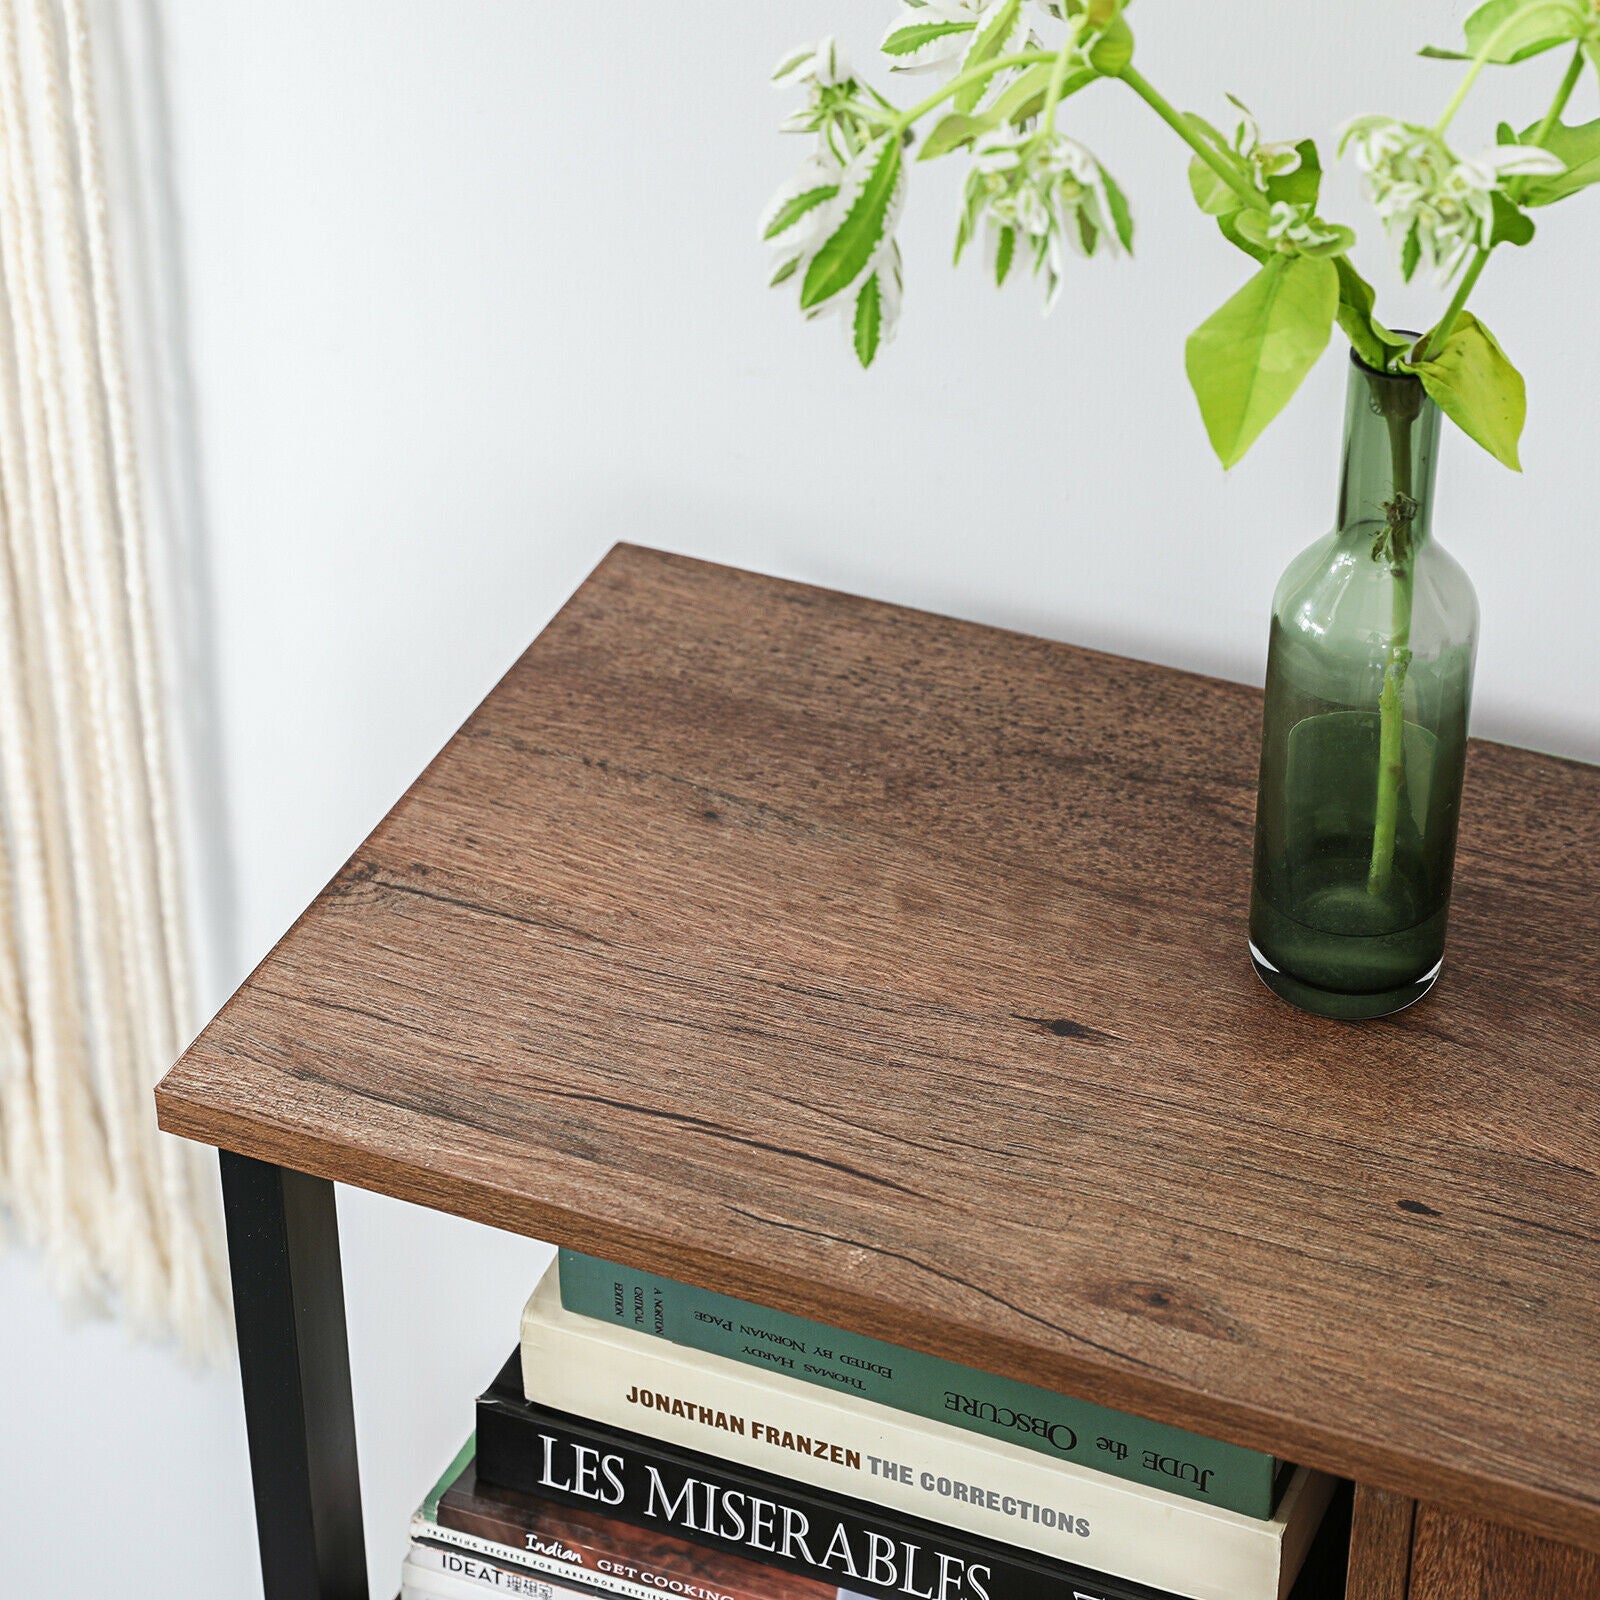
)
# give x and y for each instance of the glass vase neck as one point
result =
(1391, 441)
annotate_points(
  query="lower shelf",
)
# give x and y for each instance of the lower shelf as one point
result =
(1328, 1561)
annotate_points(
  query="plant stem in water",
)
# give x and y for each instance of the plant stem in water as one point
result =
(1401, 411)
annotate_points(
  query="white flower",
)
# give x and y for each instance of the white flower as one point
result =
(823, 64)
(823, 71)
(1300, 226)
(1264, 160)
(1440, 206)
(1036, 191)
(836, 109)
(1509, 161)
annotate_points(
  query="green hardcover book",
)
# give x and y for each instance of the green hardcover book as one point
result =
(1140, 1451)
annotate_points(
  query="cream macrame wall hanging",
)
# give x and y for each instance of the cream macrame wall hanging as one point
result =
(95, 989)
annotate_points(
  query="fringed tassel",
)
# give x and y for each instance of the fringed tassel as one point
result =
(95, 992)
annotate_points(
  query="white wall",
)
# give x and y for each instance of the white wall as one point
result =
(474, 291)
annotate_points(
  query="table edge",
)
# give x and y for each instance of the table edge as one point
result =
(1380, 1464)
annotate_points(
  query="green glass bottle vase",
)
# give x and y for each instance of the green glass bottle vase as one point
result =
(1363, 747)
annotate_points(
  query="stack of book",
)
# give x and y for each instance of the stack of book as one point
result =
(650, 1439)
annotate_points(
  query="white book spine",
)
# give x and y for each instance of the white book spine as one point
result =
(508, 1556)
(448, 1575)
(625, 1379)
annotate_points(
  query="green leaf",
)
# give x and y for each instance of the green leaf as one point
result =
(790, 62)
(845, 253)
(1411, 253)
(796, 207)
(1339, 240)
(1512, 225)
(1121, 213)
(1112, 53)
(786, 269)
(1474, 384)
(1368, 337)
(987, 43)
(1097, 12)
(1024, 96)
(1005, 250)
(1207, 132)
(1211, 194)
(1540, 27)
(1579, 147)
(1247, 359)
(1528, 29)
(1228, 227)
(953, 131)
(867, 331)
(911, 37)
(1300, 187)
(1252, 226)
(971, 209)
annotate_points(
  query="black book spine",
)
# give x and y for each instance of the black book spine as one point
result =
(830, 1537)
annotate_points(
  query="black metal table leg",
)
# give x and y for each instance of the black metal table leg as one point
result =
(294, 1361)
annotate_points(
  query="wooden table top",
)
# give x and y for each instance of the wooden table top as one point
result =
(891, 970)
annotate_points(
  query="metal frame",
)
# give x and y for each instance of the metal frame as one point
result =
(294, 1364)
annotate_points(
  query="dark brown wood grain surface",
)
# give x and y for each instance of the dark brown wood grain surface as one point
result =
(1465, 1558)
(1380, 1545)
(891, 970)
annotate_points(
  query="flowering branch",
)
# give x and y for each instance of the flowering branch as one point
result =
(1034, 192)
(1516, 191)
(973, 76)
(1032, 188)
(1228, 172)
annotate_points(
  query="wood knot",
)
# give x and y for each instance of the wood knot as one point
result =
(1063, 1027)
(354, 876)
(1167, 1305)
